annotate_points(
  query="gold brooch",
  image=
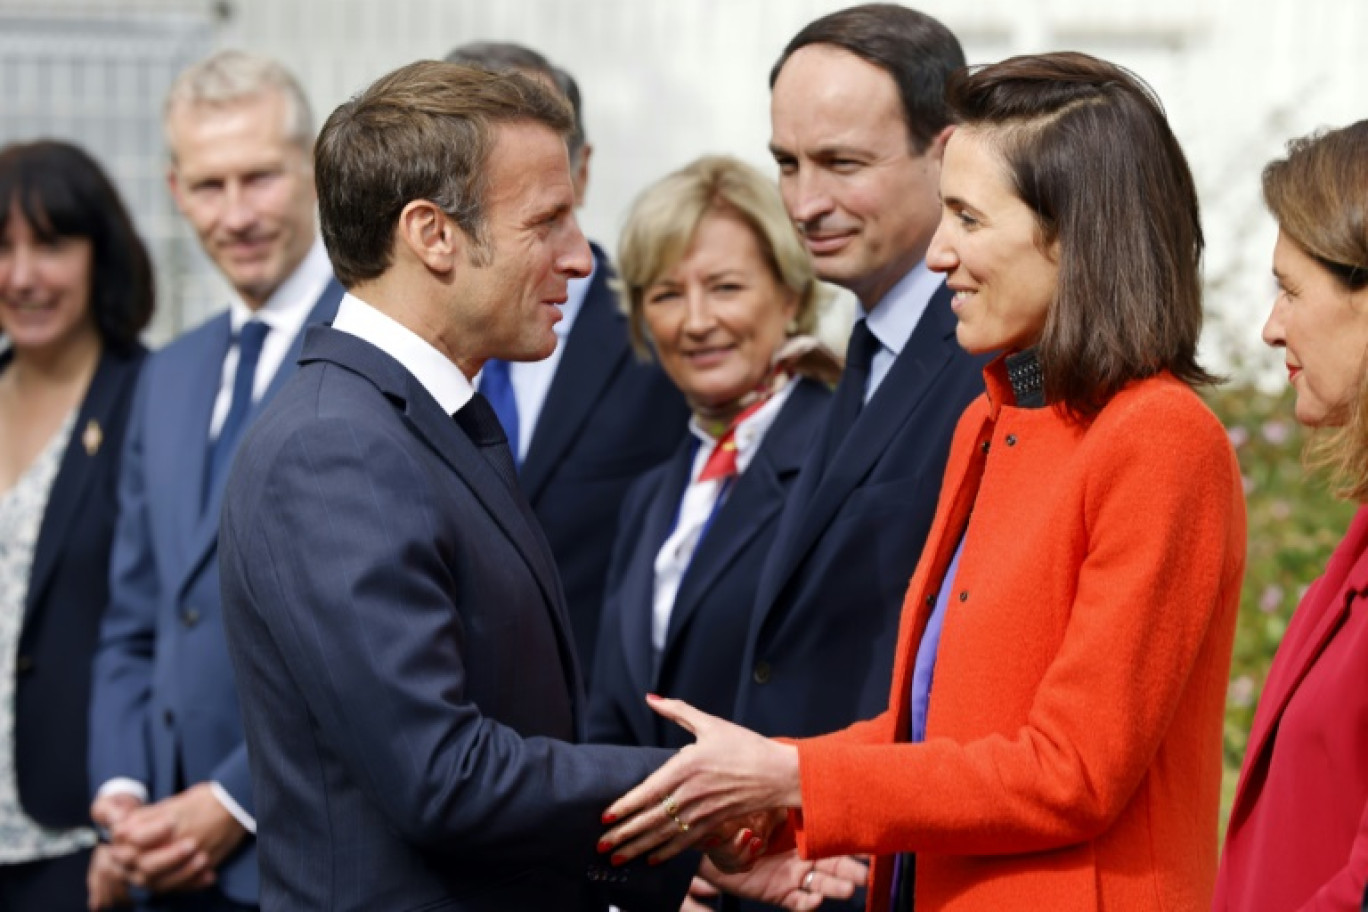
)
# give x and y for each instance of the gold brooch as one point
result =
(92, 437)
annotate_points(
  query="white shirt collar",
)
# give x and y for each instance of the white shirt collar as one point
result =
(438, 375)
(895, 317)
(288, 306)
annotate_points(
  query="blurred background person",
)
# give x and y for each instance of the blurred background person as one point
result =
(1053, 737)
(719, 290)
(585, 422)
(75, 291)
(168, 762)
(1298, 833)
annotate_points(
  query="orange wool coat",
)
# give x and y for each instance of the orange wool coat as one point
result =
(1073, 750)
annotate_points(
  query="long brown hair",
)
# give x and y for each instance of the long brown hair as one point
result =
(1318, 194)
(1089, 150)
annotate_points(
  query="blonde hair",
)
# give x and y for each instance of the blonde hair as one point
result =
(1319, 196)
(231, 77)
(665, 216)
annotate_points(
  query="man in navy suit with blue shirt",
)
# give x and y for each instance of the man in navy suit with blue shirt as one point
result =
(858, 127)
(589, 419)
(167, 759)
(409, 681)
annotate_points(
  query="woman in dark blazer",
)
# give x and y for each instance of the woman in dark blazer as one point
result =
(719, 289)
(75, 291)
(1298, 834)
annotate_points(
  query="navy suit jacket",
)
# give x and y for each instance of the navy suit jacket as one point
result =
(409, 681)
(608, 417)
(706, 633)
(164, 710)
(819, 652)
(67, 592)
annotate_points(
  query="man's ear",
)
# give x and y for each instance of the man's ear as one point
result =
(937, 145)
(430, 236)
(174, 185)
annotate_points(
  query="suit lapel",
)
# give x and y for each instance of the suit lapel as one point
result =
(204, 533)
(1344, 578)
(909, 381)
(638, 588)
(438, 431)
(594, 349)
(78, 469)
(757, 497)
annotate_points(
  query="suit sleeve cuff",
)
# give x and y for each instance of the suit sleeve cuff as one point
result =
(122, 785)
(232, 807)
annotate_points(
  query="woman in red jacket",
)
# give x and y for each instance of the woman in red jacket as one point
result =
(1298, 836)
(1053, 737)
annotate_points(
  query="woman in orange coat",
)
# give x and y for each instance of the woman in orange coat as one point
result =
(1053, 739)
(1298, 835)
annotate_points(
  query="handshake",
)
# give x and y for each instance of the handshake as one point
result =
(729, 794)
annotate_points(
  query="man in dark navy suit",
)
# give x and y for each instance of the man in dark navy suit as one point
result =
(167, 758)
(409, 683)
(590, 418)
(858, 129)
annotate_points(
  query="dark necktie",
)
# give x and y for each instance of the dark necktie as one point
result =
(496, 385)
(249, 341)
(482, 426)
(850, 392)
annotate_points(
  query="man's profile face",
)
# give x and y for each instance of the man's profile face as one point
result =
(864, 201)
(507, 303)
(246, 188)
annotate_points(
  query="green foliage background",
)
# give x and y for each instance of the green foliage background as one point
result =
(1294, 524)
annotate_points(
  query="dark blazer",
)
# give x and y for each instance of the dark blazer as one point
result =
(67, 592)
(408, 677)
(706, 635)
(819, 652)
(608, 417)
(164, 710)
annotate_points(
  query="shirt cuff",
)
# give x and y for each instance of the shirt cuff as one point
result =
(122, 785)
(247, 820)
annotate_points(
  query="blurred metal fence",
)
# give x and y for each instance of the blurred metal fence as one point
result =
(98, 79)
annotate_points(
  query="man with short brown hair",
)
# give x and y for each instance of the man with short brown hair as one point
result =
(409, 682)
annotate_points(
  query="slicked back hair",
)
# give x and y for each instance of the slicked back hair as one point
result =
(917, 51)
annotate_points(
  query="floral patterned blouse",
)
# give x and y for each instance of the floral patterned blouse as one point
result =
(21, 515)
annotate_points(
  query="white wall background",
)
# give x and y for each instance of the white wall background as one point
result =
(667, 80)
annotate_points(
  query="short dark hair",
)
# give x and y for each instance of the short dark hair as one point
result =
(421, 132)
(503, 56)
(1089, 150)
(62, 192)
(917, 51)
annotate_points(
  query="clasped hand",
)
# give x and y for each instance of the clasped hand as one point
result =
(728, 791)
(170, 845)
